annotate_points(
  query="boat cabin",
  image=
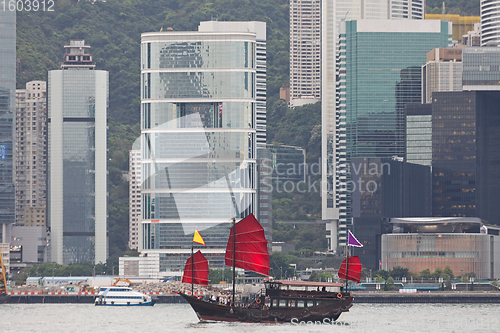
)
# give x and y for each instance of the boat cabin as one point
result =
(299, 294)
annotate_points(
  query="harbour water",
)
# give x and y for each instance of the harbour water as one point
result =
(385, 318)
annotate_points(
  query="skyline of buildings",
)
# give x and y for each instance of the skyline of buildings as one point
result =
(77, 149)
(333, 12)
(407, 79)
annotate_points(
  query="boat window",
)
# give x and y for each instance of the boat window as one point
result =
(310, 304)
(291, 303)
(300, 304)
(318, 303)
(275, 303)
(282, 303)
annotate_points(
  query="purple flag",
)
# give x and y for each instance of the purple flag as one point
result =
(352, 241)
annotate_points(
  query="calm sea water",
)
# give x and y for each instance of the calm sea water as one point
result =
(388, 318)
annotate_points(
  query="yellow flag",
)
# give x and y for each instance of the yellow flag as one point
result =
(197, 238)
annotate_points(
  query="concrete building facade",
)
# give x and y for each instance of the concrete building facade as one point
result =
(305, 52)
(31, 154)
(77, 148)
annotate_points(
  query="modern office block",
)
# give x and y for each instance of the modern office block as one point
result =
(332, 13)
(135, 203)
(305, 52)
(465, 154)
(418, 134)
(442, 72)
(473, 37)
(7, 112)
(199, 92)
(31, 154)
(490, 23)
(77, 148)
(481, 68)
(379, 72)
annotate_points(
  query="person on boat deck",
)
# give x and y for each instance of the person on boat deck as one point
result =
(225, 301)
(324, 289)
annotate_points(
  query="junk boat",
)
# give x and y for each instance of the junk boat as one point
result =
(280, 301)
(122, 296)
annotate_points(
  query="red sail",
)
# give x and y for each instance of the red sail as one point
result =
(251, 246)
(200, 268)
(354, 273)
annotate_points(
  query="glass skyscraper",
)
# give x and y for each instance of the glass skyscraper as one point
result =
(198, 138)
(7, 112)
(379, 67)
(77, 124)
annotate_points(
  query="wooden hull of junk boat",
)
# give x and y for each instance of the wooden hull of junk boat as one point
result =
(207, 311)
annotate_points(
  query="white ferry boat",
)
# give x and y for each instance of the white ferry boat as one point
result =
(122, 296)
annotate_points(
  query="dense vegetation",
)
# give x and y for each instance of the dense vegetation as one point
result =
(462, 7)
(113, 30)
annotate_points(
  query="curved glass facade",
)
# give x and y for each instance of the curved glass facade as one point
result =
(198, 139)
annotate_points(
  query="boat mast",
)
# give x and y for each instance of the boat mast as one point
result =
(192, 270)
(234, 234)
(234, 258)
(347, 266)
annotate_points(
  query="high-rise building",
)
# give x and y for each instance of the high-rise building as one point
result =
(332, 13)
(7, 111)
(407, 9)
(305, 52)
(442, 72)
(379, 72)
(490, 23)
(199, 120)
(481, 68)
(77, 148)
(31, 154)
(135, 183)
(465, 154)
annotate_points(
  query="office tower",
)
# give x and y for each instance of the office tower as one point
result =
(134, 182)
(380, 72)
(332, 13)
(77, 125)
(465, 155)
(490, 23)
(305, 52)
(199, 94)
(7, 111)
(31, 154)
(260, 62)
(418, 134)
(441, 72)
(407, 9)
(481, 68)
(461, 24)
